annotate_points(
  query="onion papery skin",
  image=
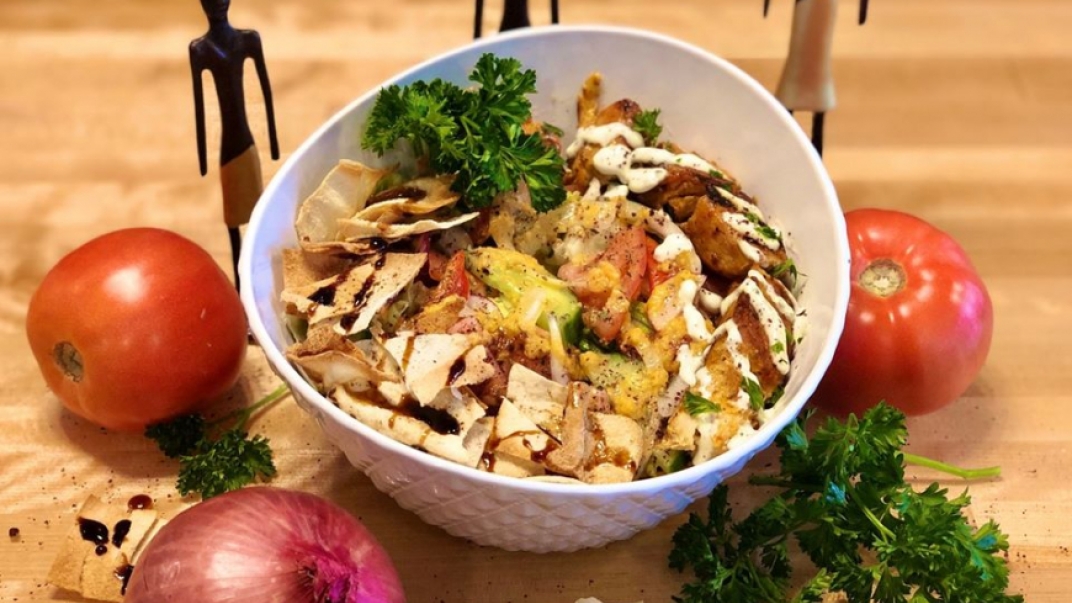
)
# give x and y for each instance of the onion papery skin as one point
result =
(264, 545)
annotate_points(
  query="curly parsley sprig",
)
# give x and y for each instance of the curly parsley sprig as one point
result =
(842, 497)
(211, 466)
(474, 133)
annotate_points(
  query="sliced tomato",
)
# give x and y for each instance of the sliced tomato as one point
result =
(604, 322)
(627, 251)
(654, 275)
(454, 280)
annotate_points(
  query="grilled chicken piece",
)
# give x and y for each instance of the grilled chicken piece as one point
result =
(581, 171)
(682, 188)
(730, 241)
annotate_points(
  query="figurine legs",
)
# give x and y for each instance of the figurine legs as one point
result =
(817, 121)
(236, 248)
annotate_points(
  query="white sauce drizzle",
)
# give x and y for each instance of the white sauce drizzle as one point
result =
(660, 224)
(656, 156)
(616, 160)
(749, 250)
(710, 302)
(740, 203)
(690, 363)
(769, 318)
(748, 228)
(673, 245)
(604, 135)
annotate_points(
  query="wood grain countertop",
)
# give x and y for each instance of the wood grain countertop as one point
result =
(957, 111)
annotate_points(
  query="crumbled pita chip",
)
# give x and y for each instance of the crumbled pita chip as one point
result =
(542, 400)
(396, 272)
(427, 360)
(464, 447)
(342, 194)
(517, 436)
(414, 198)
(301, 269)
(613, 455)
(331, 297)
(355, 228)
(512, 466)
(79, 568)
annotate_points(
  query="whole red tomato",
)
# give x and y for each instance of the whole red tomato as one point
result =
(135, 327)
(919, 321)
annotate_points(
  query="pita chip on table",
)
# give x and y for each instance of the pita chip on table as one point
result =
(101, 548)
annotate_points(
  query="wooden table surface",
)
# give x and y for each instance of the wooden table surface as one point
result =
(959, 111)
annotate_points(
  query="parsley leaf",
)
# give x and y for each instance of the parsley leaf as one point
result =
(786, 271)
(211, 466)
(777, 347)
(475, 134)
(697, 405)
(756, 399)
(764, 229)
(646, 123)
(868, 534)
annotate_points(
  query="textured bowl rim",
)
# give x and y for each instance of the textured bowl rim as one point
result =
(733, 456)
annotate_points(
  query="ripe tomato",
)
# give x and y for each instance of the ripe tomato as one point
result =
(136, 327)
(919, 320)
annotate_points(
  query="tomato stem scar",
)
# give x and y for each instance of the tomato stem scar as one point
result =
(883, 277)
(66, 356)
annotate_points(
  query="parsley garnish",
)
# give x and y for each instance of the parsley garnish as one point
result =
(787, 268)
(777, 347)
(842, 497)
(698, 405)
(646, 123)
(214, 466)
(762, 228)
(475, 134)
(756, 399)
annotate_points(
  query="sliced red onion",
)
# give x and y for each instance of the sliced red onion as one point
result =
(265, 545)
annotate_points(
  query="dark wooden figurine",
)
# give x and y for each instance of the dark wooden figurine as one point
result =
(223, 51)
(515, 15)
(807, 83)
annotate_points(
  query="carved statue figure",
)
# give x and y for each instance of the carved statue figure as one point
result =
(807, 83)
(222, 51)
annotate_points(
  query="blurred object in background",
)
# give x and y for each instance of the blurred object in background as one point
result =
(222, 51)
(515, 15)
(807, 83)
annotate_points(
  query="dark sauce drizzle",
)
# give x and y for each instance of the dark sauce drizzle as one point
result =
(119, 533)
(141, 501)
(123, 575)
(93, 531)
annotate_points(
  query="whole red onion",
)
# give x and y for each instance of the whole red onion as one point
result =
(264, 545)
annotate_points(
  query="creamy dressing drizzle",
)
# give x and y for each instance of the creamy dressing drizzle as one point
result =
(740, 203)
(660, 224)
(710, 302)
(656, 156)
(750, 229)
(770, 318)
(673, 245)
(603, 136)
(749, 250)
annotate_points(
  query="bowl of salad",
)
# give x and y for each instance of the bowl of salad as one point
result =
(548, 289)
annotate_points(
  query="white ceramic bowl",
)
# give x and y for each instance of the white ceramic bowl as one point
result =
(707, 105)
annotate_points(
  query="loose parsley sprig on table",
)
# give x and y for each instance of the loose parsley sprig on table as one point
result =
(211, 466)
(843, 498)
(475, 134)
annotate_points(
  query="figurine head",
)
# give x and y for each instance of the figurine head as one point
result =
(216, 10)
